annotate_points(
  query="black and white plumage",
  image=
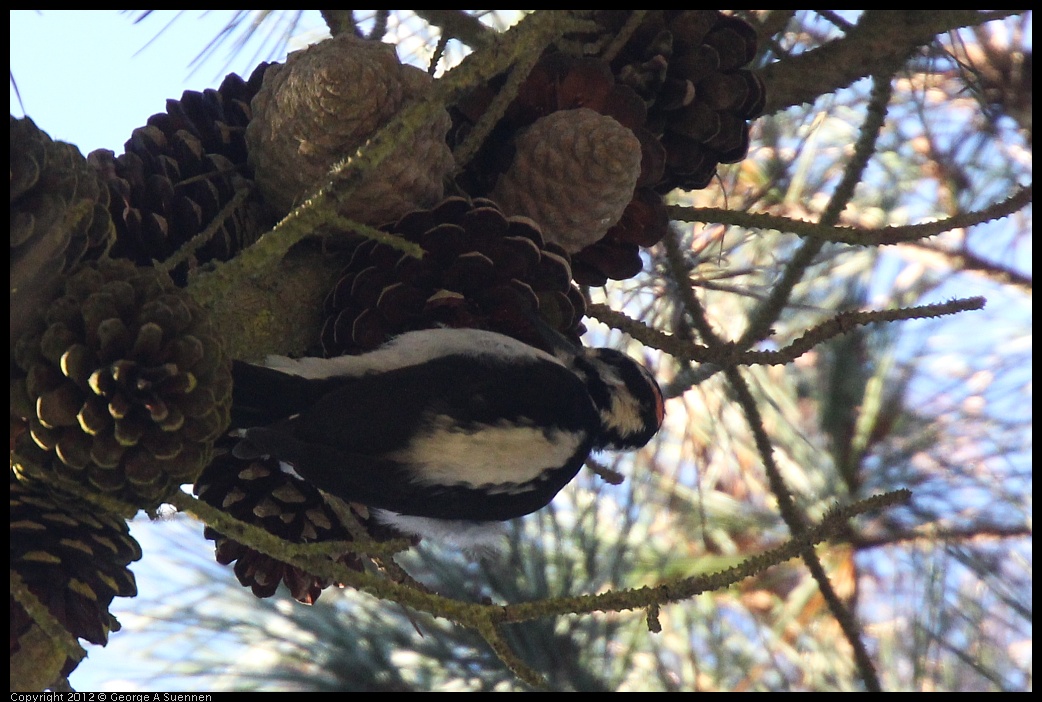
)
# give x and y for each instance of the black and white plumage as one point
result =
(457, 425)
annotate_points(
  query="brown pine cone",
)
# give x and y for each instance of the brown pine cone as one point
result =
(573, 174)
(259, 493)
(322, 106)
(480, 270)
(689, 67)
(557, 83)
(74, 560)
(59, 216)
(180, 172)
(123, 383)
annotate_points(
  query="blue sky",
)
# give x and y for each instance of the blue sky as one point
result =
(90, 77)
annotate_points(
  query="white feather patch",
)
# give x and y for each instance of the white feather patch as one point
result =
(478, 539)
(411, 349)
(625, 414)
(507, 455)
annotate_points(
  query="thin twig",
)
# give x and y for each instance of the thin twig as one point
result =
(760, 323)
(967, 261)
(619, 40)
(795, 521)
(853, 235)
(43, 618)
(457, 24)
(761, 318)
(492, 632)
(844, 322)
(201, 239)
(340, 22)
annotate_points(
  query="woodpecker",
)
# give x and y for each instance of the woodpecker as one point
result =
(442, 431)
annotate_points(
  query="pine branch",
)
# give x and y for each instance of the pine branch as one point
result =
(340, 22)
(487, 618)
(883, 236)
(795, 521)
(457, 24)
(963, 260)
(43, 618)
(878, 44)
(843, 323)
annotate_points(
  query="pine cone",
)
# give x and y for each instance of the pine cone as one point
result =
(259, 493)
(74, 560)
(479, 270)
(558, 83)
(322, 106)
(688, 66)
(125, 385)
(59, 216)
(574, 174)
(180, 171)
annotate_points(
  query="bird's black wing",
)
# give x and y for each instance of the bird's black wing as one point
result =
(348, 440)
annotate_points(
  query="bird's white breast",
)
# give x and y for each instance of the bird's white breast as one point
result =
(507, 454)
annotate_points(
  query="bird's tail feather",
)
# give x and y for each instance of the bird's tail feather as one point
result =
(262, 395)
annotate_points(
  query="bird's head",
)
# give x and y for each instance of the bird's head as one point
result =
(627, 397)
